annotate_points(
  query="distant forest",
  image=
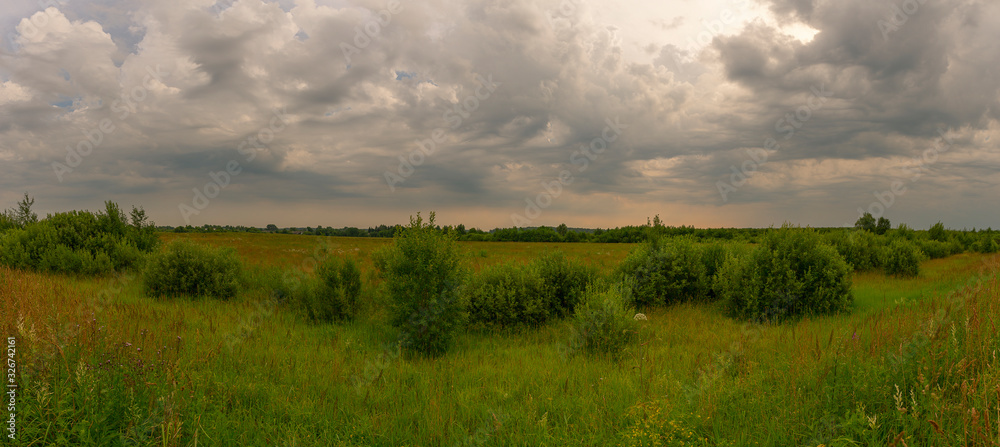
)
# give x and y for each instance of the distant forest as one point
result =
(562, 233)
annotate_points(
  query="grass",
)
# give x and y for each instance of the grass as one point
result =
(96, 353)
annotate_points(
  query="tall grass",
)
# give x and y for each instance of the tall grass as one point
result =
(104, 365)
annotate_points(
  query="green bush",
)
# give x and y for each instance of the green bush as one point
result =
(902, 258)
(62, 259)
(508, 294)
(712, 257)
(933, 249)
(603, 322)
(335, 296)
(564, 281)
(937, 232)
(185, 268)
(664, 271)
(791, 273)
(986, 244)
(861, 249)
(79, 242)
(422, 274)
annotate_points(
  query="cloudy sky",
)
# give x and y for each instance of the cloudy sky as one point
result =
(502, 112)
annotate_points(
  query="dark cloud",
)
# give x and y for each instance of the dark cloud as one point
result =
(229, 69)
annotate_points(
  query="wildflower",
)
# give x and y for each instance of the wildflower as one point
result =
(640, 317)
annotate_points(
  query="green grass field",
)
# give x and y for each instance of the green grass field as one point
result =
(916, 359)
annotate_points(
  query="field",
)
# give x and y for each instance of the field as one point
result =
(915, 353)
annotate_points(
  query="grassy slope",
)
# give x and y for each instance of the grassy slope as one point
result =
(250, 373)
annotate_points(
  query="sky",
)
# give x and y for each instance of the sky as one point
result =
(500, 113)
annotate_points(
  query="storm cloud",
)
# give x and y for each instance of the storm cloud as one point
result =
(364, 112)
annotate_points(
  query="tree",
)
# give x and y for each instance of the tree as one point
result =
(865, 222)
(562, 229)
(422, 272)
(23, 215)
(882, 226)
(272, 227)
(937, 233)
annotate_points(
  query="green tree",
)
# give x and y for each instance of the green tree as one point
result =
(937, 232)
(882, 226)
(422, 274)
(865, 222)
(23, 215)
(562, 229)
(272, 227)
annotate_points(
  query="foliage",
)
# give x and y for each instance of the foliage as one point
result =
(6, 222)
(508, 294)
(902, 258)
(937, 232)
(603, 322)
(80, 242)
(563, 282)
(866, 222)
(422, 274)
(986, 244)
(882, 226)
(861, 249)
(185, 268)
(904, 231)
(791, 273)
(336, 295)
(513, 294)
(664, 271)
(23, 215)
(934, 249)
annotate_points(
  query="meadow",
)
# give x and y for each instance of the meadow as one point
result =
(101, 363)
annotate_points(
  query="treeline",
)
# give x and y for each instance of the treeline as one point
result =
(959, 240)
(626, 235)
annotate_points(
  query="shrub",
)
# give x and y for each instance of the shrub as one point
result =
(933, 249)
(902, 258)
(603, 322)
(712, 257)
(507, 294)
(791, 273)
(62, 259)
(187, 268)
(422, 274)
(861, 249)
(986, 244)
(335, 296)
(937, 232)
(79, 242)
(904, 231)
(664, 271)
(564, 281)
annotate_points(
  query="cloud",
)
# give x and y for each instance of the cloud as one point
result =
(225, 69)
